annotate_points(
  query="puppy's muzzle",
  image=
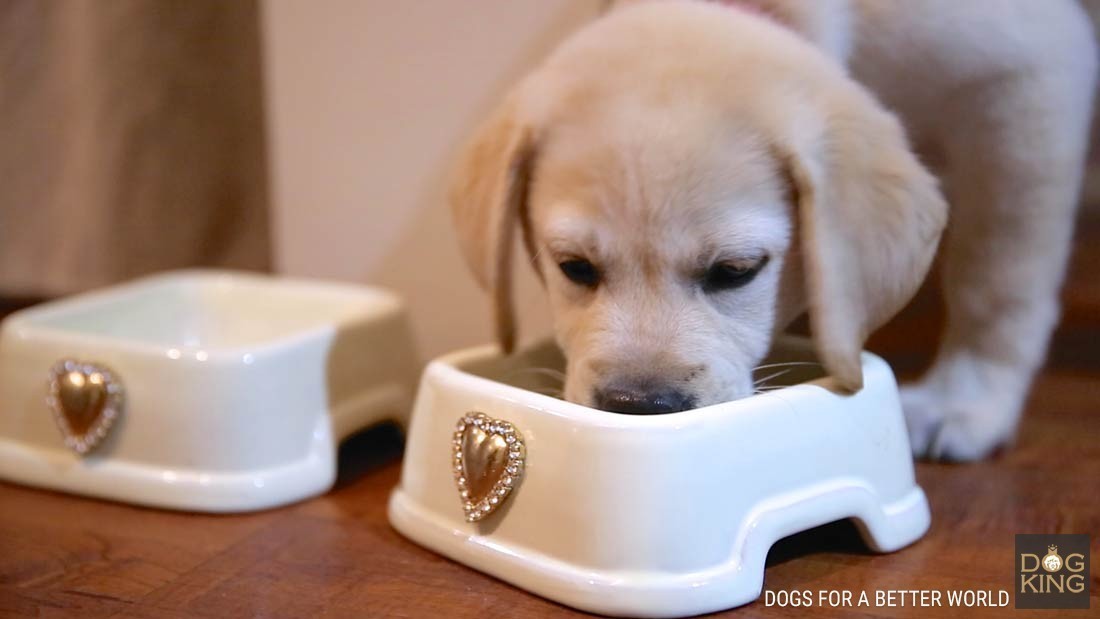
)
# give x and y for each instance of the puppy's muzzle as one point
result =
(643, 400)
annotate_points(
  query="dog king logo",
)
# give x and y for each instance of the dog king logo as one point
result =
(1052, 571)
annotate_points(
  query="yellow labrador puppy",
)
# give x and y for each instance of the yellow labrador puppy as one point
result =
(689, 177)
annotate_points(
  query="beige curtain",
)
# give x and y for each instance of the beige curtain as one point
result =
(131, 141)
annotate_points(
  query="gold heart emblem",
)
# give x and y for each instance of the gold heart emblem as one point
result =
(488, 463)
(86, 399)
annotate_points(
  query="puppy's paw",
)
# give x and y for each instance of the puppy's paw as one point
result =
(923, 417)
(957, 431)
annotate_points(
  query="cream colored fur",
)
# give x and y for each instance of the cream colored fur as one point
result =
(671, 135)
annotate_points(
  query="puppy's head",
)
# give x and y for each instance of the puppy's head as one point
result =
(687, 180)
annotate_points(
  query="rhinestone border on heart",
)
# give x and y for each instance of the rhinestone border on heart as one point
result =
(112, 409)
(513, 472)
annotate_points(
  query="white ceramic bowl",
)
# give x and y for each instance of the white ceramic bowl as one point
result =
(234, 388)
(656, 516)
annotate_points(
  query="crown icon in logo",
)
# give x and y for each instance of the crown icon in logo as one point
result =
(1052, 562)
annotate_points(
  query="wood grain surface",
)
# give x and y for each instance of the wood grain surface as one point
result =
(336, 555)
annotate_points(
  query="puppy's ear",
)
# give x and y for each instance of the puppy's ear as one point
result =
(870, 220)
(488, 197)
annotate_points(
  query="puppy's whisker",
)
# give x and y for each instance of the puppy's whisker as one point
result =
(785, 364)
(768, 389)
(535, 256)
(771, 376)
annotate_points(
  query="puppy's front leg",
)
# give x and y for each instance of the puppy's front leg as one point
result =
(1013, 175)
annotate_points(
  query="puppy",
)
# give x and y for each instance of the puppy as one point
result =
(689, 177)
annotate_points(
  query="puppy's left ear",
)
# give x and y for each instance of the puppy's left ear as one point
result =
(488, 196)
(870, 219)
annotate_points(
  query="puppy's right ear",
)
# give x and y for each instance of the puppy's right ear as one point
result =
(488, 197)
(870, 218)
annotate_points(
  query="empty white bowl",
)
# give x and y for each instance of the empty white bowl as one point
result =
(652, 516)
(233, 389)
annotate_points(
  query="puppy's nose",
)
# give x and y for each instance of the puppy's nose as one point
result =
(643, 402)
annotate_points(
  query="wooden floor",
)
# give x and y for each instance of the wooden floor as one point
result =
(336, 556)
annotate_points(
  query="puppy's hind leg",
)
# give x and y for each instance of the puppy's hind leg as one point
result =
(1015, 156)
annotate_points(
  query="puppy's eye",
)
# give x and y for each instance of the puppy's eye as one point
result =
(580, 272)
(729, 275)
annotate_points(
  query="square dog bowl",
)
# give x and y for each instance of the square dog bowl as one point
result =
(199, 390)
(647, 516)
